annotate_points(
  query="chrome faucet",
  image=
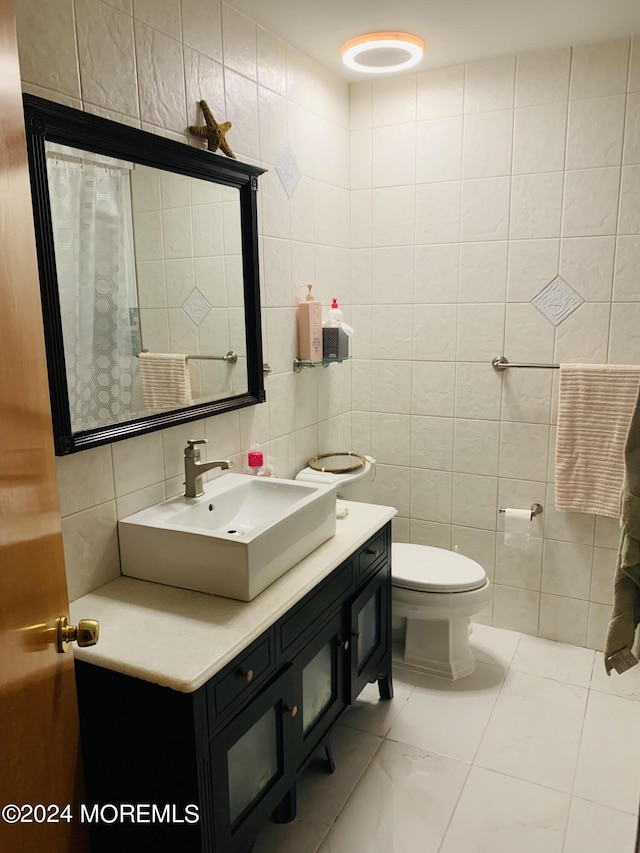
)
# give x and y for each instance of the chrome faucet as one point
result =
(194, 468)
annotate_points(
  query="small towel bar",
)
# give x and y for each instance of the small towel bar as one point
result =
(501, 363)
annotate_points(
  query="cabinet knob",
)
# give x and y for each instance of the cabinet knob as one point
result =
(291, 709)
(247, 675)
(344, 644)
(373, 552)
(357, 635)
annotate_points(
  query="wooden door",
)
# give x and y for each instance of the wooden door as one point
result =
(39, 743)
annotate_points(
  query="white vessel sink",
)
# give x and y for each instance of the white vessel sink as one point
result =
(235, 540)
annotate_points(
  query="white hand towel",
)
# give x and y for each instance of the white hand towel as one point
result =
(166, 383)
(595, 405)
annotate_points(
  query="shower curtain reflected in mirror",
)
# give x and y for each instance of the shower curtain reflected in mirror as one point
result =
(93, 237)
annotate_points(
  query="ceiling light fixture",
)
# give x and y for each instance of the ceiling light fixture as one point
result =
(381, 53)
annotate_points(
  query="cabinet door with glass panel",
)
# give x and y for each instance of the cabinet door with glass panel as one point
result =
(253, 764)
(369, 628)
(319, 672)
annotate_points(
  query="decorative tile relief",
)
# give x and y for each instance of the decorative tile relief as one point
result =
(196, 306)
(557, 301)
(288, 170)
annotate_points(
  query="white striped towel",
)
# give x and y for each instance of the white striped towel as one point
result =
(166, 383)
(595, 405)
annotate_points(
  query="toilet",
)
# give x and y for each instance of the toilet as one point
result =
(435, 591)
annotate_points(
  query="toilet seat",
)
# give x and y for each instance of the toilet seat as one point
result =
(425, 569)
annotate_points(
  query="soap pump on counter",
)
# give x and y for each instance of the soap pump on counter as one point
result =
(255, 459)
(309, 328)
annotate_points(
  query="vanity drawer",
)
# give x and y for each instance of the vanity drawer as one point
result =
(247, 671)
(375, 550)
(293, 628)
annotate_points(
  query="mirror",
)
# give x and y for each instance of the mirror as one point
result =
(147, 252)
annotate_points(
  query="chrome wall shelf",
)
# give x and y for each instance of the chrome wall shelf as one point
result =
(299, 365)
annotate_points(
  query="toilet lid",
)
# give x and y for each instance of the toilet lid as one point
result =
(421, 567)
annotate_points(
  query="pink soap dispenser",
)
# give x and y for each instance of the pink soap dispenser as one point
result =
(255, 458)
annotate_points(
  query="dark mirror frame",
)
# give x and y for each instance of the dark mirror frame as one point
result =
(48, 121)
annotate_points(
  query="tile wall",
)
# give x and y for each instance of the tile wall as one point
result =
(468, 189)
(148, 64)
(473, 187)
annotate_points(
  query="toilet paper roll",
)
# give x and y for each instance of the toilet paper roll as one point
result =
(517, 528)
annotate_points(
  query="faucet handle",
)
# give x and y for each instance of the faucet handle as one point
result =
(192, 450)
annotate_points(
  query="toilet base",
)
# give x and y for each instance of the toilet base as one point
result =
(438, 647)
(436, 639)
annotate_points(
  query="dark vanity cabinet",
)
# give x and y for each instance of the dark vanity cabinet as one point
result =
(252, 761)
(235, 747)
(319, 671)
(370, 631)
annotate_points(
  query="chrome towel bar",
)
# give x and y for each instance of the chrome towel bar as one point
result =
(231, 357)
(501, 363)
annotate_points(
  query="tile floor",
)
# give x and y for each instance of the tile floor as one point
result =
(538, 751)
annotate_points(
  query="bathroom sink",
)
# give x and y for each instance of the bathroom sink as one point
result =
(235, 540)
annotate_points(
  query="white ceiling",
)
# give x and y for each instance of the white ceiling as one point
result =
(455, 31)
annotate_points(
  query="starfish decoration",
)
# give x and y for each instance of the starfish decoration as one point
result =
(213, 132)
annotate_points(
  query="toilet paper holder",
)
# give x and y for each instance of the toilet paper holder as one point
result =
(536, 509)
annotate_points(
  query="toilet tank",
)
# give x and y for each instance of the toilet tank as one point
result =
(355, 486)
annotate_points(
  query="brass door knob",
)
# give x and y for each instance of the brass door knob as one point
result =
(291, 709)
(357, 634)
(85, 633)
(247, 675)
(345, 644)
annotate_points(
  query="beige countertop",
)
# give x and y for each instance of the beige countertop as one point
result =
(179, 638)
